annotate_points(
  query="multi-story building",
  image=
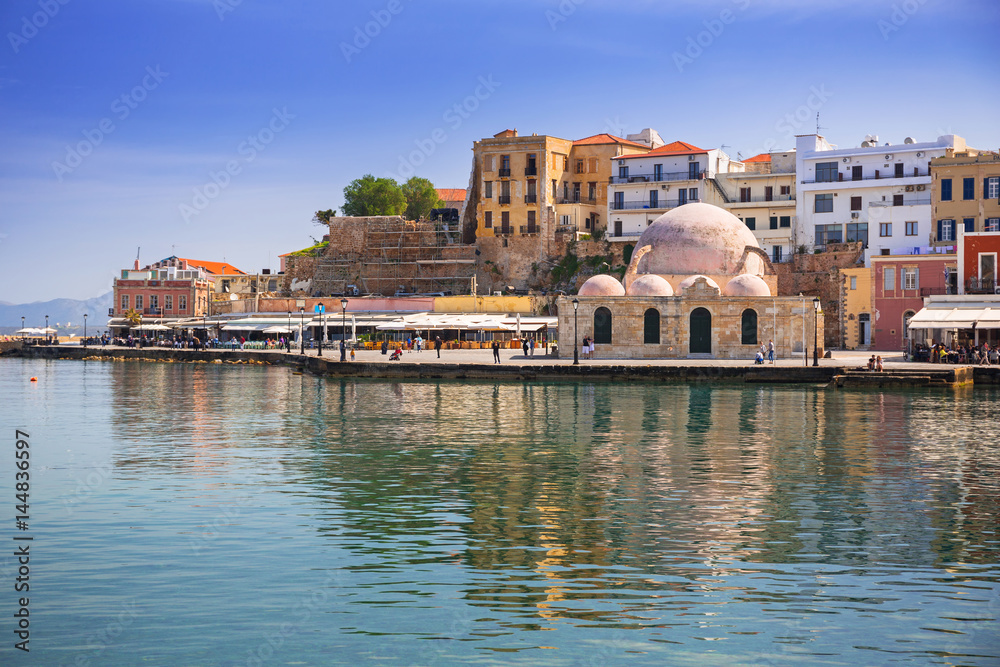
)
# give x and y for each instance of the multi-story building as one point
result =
(965, 194)
(763, 197)
(977, 262)
(856, 308)
(167, 291)
(646, 185)
(900, 283)
(879, 195)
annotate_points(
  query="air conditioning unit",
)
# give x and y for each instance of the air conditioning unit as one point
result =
(692, 158)
(888, 156)
(855, 215)
(664, 187)
(621, 162)
(920, 188)
(846, 160)
(920, 153)
(909, 188)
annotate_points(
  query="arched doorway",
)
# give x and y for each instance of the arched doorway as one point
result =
(602, 325)
(701, 331)
(748, 330)
(651, 327)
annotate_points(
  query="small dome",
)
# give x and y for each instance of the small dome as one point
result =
(689, 281)
(602, 285)
(650, 285)
(746, 285)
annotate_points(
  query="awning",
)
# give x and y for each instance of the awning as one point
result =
(956, 318)
(243, 327)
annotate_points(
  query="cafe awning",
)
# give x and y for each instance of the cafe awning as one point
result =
(956, 318)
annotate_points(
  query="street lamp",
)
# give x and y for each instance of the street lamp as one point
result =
(576, 351)
(322, 330)
(85, 329)
(343, 329)
(22, 328)
(46, 328)
(302, 338)
(288, 342)
(815, 332)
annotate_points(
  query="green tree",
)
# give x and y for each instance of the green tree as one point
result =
(421, 197)
(373, 196)
(323, 217)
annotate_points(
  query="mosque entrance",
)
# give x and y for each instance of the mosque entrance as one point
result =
(701, 331)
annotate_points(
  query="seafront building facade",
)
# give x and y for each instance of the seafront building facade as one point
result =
(763, 197)
(900, 284)
(965, 194)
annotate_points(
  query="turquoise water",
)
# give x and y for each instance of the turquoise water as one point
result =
(207, 515)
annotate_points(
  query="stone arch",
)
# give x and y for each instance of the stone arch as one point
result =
(651, 327)
(748, 327)
(602, 325)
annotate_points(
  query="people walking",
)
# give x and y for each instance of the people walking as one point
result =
(437, 346)
(496, 351)
(770, 350)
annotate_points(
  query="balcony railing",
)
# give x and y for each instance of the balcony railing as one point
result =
(908, 201)
(504, 200)
(933, 291)
(152, 311)
(531, 199)
(577, 199)
(531, 171)
(504, 173)
(980, 286)
(764, 198)
(529, 230)
(657, 178)
(624, 235)
(878, 176)
(645, 203)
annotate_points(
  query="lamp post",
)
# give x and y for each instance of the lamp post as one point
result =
(85, 329)
(302, 337)
(576, 351)
(815, 332)
(322, 330)
(46, 328)
(22, 328)
(288, 342)
(343, 329)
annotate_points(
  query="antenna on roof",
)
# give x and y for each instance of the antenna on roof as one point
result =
(818, 126)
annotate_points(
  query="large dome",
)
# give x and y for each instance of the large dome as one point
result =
(698, 239)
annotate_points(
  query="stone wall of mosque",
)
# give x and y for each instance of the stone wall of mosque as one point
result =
(789, 321)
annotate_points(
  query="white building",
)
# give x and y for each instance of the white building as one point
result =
(879, 194)
(645, 186)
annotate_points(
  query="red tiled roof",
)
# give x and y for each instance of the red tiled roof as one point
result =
(762, 157)
(451, 194)
(605, 138)
(673, 148)
(217, 268)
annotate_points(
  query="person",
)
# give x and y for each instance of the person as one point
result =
(437, 346)
(531, 346)
(420, 343)
(385, 347)
(878, 363)
(243, 341)
(763, 350)
(352, 353)
(288, 344)
(496, 351)
(409, 343)
(871, 363)
(524, 345)
(586, 346)
(758, 358)
(770, 350)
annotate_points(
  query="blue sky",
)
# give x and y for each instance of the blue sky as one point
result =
(215, 128)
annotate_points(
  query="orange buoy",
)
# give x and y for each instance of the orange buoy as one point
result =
(34, 379)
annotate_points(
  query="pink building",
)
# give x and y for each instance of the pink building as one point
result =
(900, 284)
(163, 292)
(977, 262)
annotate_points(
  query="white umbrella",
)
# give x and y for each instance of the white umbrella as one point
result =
(152, 327)
(519, 325)
(277, 329)
(29, 331)
(48, 330)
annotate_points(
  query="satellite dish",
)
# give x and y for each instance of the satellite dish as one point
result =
(909, 140)
(866, 144)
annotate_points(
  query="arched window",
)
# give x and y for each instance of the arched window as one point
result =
(701, 331)
(651, 327)
(907, 316)
(602, 325)
(749, 327)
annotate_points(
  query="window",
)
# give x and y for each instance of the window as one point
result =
(138, 302)
(505, 162)
(168, 302)
(748, 329)
(857, 173)
(889, 279)
(855, 203)
(826, 172)
(602, 325)
(488, 190)
(785, 221)
(824, 204)
(182, 302)
(531, 222)
(491, 163)
(505, 222)
(968, 188)
(651, 327)
(970, 224)
(911, 228)
(751, 223)
(885, 229)
(488, 221)
(858, 231)
(532, 195)
(592, 191)
(992, 187)
(992, 225)
(692, 194)
(505, 191)
(897, 200)
(898, 170)
(911, 278)
(786, 190)
(592, 165)
(654, 196)
(154, 301)
(657, 172)
(988, 266)
(565, 163)
(946, 230)
(829, 234)
(773, 220)
(576, 192)
(768, 193)
(555, 189)
(531, 167)
(579, 167)
(854, 282)
(776, 254)
(124, 301)
(682, 197)
(623, 172)
(619, 201)
(744, 194)
(945, 189)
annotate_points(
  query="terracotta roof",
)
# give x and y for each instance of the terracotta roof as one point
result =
(673, 148)
(451, 194)
(217, 268)
(605, 138)
(763, 157)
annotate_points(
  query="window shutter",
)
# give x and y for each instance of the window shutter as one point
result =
(940, 228)
(970, 225)
(916, 278)
(986, 187)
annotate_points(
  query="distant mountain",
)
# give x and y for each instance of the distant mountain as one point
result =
(66, 313)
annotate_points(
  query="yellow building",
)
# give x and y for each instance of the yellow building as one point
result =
(965, 192)
(856, 308)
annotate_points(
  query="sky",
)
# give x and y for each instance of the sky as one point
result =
(214, 129)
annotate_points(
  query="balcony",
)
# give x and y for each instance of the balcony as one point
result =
(156, 312)
(631, 205)
(529, 230)
(764, 198)
(503, 173)
(531, 199)
(576, 198)
(877, 176)
(531, 171)
(504, 200)
(907, 201)
(980, 286)
(623, 236)
(657, 178)
(934, 291)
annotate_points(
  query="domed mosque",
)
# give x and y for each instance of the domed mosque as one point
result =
(671, 304)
